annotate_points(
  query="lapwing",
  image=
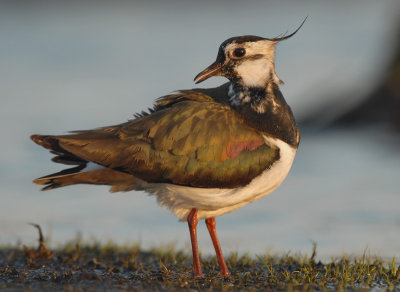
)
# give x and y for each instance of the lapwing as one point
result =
(202, 152)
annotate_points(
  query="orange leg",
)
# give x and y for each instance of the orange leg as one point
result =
(192, 222)
(223, 269)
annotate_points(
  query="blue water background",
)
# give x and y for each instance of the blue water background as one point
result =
(78, 66)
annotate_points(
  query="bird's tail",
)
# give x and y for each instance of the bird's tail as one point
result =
(89, 174)
(63, 178)
(84, 172)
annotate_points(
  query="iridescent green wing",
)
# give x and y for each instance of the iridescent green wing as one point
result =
(193, 142)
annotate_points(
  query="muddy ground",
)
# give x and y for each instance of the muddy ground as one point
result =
(115, 268)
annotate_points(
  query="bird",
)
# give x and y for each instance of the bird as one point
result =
(202, 152)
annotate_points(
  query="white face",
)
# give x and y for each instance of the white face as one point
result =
(256, 67)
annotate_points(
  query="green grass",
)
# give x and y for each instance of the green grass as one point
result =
(110, 267)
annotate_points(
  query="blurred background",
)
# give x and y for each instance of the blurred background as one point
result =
(80, 65)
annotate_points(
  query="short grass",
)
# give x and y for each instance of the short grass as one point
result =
(94, 267)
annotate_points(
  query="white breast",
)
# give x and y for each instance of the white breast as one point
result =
(214, 201)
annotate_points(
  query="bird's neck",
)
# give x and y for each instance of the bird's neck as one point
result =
(258, 98)
(265, 109)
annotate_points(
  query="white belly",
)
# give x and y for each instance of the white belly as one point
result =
(214, 201)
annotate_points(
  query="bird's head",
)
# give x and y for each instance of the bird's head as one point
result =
(246, 60)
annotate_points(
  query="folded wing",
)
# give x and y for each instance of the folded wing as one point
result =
(186, 141)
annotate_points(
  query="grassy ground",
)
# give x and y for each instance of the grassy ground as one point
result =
(116, 268)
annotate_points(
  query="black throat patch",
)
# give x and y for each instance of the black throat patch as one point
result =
(266, 110)
(255, 97)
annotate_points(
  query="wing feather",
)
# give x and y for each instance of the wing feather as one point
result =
(191, 141)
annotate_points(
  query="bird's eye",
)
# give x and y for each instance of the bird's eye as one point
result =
(239, 52)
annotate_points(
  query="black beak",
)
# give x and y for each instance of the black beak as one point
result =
(213, 70)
